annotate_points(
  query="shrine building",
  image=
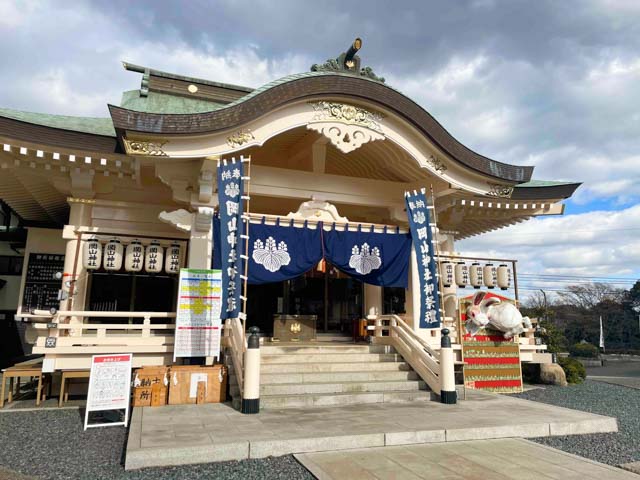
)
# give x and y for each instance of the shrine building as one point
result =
(100, 215)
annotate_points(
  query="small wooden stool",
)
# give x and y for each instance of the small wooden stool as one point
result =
(19, 371)
(68, 375)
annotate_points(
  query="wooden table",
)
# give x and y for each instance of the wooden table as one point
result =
(19, 371)
(68, 375)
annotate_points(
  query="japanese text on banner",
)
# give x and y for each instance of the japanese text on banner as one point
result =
(230, 191)
(422, 236)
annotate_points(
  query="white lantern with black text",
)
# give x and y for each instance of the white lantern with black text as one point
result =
(92, 254)
(504, 277)
(462, 275)
(113, 251)
(446, 270)
(172, 262)
(475, 275)
(134, 257)
(154, 258)
(490, 275)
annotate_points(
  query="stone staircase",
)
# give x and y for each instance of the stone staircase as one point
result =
(294, 376)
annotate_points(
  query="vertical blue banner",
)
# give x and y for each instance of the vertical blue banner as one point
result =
(230, 186)
(422, 236)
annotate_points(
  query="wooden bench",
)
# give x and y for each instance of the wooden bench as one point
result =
(18, 372)
(66, 376)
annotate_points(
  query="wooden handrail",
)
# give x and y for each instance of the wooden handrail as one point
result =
(237, 344)
(103, 314)
(415, 350)
(106, 326)
(402, 324)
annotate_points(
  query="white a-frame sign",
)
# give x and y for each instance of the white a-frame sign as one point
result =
(109, 387)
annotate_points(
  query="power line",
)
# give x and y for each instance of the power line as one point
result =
(569, 231)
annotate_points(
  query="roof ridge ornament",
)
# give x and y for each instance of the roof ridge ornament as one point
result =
(347, 62)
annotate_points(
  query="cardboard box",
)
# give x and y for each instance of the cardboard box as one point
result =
(184, 380)
(145, 379)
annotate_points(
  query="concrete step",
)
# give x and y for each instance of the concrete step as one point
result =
(342, 387)
(307, 349)
(332, 367)
(335, 377)
(331, 358)
(340, 399)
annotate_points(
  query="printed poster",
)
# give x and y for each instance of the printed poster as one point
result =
(198, 324)
(109, 386)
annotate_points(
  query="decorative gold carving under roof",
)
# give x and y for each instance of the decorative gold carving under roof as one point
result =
(240, 138)
(436, 164)
(500, 190)
(345, 113)
(152, 148)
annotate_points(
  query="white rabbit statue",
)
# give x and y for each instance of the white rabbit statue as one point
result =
(504, 317)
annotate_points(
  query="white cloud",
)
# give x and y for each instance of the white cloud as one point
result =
(599, 243)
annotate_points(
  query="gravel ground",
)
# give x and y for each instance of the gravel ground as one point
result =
(52, 445)
(605, 399)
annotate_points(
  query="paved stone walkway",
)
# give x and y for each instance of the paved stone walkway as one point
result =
(178, 435)
(507, 459)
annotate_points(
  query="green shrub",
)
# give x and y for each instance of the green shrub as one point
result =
(585, 350)
(573, 369)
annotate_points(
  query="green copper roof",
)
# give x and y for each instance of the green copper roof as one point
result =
(156, 102)
(297, 76)
(159, 73)
(97, 126)
(543, 183)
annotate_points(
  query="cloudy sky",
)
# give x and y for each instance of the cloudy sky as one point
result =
(545, 83)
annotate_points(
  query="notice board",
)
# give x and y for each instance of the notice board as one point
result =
(109, 387)
(40, 286)
(198, 324)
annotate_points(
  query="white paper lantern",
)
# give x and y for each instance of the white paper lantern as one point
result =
(462, 275)
(490, 275)
(134, 256)
(154, 258)
(113, 255)
(475, 275)
(92, 254)
(172, 262)
(504, 277)
(446, 270)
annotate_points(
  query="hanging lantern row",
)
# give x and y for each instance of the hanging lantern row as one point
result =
(135, 257)
(475, 275)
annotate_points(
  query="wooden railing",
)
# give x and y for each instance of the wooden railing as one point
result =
(88, 338)
(237, 345)
(415, 350)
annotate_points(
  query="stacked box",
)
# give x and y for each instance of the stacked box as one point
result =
(184, 380)
(144, 380)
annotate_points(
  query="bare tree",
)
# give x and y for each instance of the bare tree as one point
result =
(588, 296)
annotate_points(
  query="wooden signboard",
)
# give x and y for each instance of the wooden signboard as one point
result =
(198, 324)
(492, 362)
(109, 388)
(40, 286)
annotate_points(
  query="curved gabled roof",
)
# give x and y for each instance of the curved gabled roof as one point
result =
(308, 85)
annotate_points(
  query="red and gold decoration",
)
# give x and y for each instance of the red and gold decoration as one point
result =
(492, 362)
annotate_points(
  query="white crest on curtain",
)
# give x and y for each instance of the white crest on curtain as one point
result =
(270, 255)
(365, 259)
